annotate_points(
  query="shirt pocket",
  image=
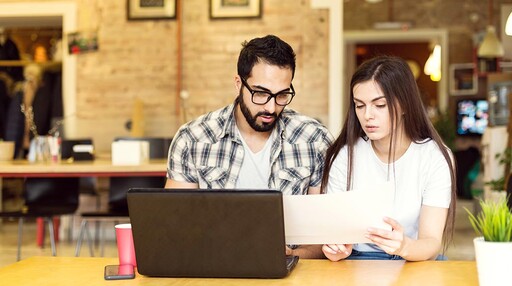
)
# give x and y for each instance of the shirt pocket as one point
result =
(294, 181)
(212, 177)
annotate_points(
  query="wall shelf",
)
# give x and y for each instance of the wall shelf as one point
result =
(50, 65)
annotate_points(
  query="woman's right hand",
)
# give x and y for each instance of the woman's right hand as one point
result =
(335, 252)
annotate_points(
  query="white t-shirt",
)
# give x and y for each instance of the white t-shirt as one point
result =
(255, 169)
(421, 177)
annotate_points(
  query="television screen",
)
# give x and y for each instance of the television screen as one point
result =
(472, 116)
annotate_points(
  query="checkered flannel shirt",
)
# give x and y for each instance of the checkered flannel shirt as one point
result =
(208, 151)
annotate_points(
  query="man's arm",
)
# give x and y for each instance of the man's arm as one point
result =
(306, 251)
(172, 184)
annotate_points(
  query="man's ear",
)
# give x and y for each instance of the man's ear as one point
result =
(238, 83)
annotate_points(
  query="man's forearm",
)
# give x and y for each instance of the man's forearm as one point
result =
(309, 251)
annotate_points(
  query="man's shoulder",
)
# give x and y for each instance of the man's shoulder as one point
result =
(207, 127)
(299, 127)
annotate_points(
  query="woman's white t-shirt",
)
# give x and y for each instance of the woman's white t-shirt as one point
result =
(420, 177)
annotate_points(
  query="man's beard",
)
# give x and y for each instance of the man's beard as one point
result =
(264, 127)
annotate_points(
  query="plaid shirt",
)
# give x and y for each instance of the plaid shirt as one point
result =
(208, 151)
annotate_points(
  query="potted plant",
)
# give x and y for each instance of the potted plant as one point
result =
(493, 248)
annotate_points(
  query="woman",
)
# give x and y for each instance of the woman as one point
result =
(387, 136)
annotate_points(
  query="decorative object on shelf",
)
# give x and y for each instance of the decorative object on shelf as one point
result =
(151, 9)
(223, 9)
(81, 42)
(493, 248)
(463, 79)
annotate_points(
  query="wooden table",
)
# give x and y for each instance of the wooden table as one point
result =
(101, 167)
(89, 271)
(96, 168)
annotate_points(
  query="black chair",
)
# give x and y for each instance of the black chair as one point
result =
(119, 186)
(46, 198)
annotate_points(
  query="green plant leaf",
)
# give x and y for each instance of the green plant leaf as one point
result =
(493, 222)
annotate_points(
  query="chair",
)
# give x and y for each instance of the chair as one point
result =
(117, 203)
(46, 197)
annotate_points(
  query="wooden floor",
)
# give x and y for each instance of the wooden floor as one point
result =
(461, 249)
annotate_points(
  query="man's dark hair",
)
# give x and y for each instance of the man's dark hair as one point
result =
(269, 49)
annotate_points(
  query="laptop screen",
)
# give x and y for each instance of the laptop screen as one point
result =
(208, 233)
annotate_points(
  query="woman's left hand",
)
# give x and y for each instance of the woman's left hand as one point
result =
(391, 241)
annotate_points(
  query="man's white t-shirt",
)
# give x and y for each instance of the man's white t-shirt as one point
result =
(420, 177)
(255, 170)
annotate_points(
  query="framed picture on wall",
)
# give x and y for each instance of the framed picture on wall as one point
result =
(463, 79)
(151, 9)
(225, 9)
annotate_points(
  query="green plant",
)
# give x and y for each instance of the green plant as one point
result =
(445, 126)
(494, 221)
(504, 158)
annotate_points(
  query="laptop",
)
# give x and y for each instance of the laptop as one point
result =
(209, 233)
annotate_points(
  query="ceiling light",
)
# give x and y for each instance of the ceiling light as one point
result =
(508, 26)
(433, 64)
(491, 46)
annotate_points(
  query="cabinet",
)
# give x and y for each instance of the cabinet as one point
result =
(485, 65)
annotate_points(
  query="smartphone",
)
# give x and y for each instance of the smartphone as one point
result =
(116, 272)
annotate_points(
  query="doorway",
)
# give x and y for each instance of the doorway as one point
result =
(399, 43)
(44, 14)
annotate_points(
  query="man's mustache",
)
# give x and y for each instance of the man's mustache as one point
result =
(263, 113)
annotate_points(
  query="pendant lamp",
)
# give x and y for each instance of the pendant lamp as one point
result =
(508, 26)
(491, 46)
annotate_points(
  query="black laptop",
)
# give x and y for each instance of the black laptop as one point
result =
(209, 233)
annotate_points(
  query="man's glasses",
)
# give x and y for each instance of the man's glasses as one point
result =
(260, 97)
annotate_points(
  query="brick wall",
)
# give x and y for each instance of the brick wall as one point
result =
(138, 59)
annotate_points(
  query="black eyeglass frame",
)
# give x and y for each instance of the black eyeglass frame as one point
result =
(270, 94)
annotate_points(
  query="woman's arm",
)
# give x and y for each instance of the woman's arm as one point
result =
(430, 236)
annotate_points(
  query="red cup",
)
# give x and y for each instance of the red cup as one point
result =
(125, 248)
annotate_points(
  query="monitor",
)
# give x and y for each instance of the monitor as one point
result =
(472, 116)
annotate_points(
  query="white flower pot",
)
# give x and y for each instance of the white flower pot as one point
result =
(492, 261)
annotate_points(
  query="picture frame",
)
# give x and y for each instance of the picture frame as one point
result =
(463, 79)
(151, 9)
(235, 9)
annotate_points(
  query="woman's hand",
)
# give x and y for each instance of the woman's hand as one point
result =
(335, 252)
(391, 241)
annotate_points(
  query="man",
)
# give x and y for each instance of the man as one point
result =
(254, 142)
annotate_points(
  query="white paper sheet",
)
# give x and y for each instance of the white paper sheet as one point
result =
(336, 218)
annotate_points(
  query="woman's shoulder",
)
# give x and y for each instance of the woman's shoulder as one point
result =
(428, 147)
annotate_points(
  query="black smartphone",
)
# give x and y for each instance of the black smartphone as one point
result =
(116, 272)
